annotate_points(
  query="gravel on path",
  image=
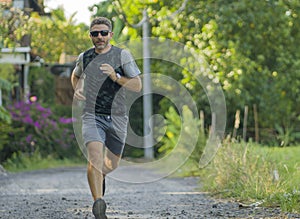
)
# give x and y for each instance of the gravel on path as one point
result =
(63, 193)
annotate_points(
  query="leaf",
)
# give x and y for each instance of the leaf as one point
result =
(4, 84)
(4, 115)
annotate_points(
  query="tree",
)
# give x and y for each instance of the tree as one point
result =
(251, 48)
(14, 24)
(51, 36)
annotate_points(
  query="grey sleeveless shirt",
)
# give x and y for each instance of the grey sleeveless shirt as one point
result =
(104, 96)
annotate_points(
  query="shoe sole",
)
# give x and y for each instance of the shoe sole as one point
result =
(99, 209)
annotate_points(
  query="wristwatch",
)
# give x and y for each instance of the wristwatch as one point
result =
(118, 76)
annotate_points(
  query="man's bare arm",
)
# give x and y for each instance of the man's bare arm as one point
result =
(77, 84)
(133, 84)
(74, 80)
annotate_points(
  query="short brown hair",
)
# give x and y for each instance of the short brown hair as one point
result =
(101, 20)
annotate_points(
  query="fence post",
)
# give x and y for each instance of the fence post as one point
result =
(236, 123)
(256, 123)
(245, 124)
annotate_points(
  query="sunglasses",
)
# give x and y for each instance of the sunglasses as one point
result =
(102, 32)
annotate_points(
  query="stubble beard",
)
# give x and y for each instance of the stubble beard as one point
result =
(101, 47)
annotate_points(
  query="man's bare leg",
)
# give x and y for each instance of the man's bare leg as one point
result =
(94, 170)
(111, 162)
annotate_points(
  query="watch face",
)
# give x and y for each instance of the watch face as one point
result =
(118, 75)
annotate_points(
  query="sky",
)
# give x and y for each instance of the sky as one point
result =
(71, 6)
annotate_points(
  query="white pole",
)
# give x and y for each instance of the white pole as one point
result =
(147, 91)
(26, 88)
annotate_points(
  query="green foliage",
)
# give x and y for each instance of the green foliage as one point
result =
(5, 129)
(61, 36)
(50, 36)
(181, 129)
(34, 161)
(250, 48)
(253, 173)
(4, 116)
(173, 122)
(7, 73)
(42, 85)
(6, 83)
(287, 136)
(7, 146)
(36, 128)
(14, 24)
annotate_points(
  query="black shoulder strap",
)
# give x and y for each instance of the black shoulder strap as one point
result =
(88, 56)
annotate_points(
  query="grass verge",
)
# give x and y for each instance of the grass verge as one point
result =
(250, 173)
(20, 162)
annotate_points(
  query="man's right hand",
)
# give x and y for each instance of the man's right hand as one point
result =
(78, 94)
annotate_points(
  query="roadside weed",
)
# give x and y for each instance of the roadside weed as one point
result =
(251, 173)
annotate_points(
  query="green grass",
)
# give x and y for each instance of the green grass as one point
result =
(20, 162)
(247, 173)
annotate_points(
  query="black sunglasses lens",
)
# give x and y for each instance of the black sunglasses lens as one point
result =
(102, 32)
(94, 33)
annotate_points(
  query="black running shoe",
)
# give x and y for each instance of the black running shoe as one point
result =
(99, 209)
(103, 186)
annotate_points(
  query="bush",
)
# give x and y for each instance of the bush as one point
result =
(42, 84)
(184, 139)
(5, 130)
(36, 128)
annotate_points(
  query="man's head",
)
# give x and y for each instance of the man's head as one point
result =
(101, 20)
(101, 33)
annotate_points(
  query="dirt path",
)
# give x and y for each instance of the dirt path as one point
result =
(64, 193)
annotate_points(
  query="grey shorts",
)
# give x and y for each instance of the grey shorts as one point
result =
(109, 130)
